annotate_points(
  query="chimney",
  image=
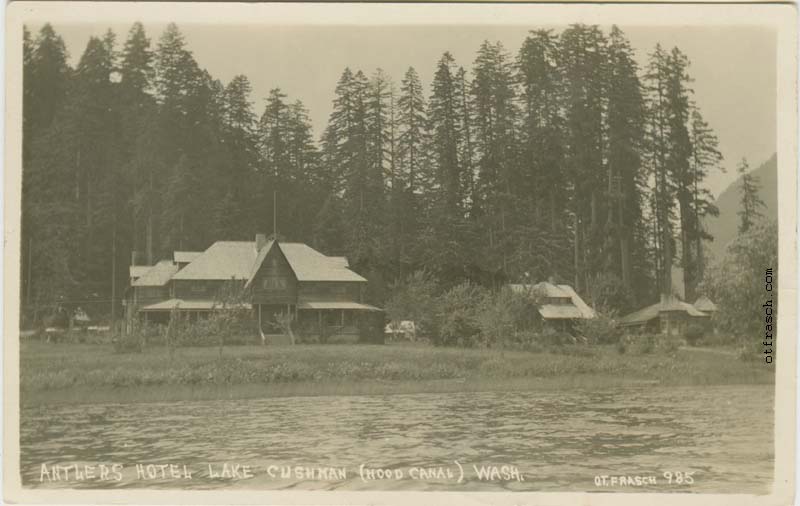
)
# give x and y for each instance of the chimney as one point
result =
(135, 257)
(261, 241)
(551, 280)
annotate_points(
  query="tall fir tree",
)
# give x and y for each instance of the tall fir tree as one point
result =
(705, 158)
(544, 251)
(750, 203)
(583, 57)
(626, 177)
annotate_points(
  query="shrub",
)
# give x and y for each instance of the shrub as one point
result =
(552, 337)
(737, 279)
(370, 328)
(456, 320)
(641, 344)
(502, 315)
(693, 334)
(600, 330)
(415, 298)
(667, 344)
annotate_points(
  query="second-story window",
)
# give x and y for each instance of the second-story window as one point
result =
(271, 283)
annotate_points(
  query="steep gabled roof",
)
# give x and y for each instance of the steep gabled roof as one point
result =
(239, 260)
(184, 257)
(586, 311)
(309, 264)
(705, 304)
(137, 271)
(543, 288)
(575, 309)
(157, 275)
(560, 312)
(262, 254)
(340, 260)
(648, 313)
(222, 260)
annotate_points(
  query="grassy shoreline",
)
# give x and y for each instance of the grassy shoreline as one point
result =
(82, 373)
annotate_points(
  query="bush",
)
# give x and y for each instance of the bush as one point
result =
(502, 316)
(693, 334)
(641, 344)
(141, 334)
(667, 344)
(414, 298)
(457, 317)
(600, 330)
(552, 337)
(737, 279)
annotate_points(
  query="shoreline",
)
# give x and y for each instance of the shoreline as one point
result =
(83, 373)
(190, 393)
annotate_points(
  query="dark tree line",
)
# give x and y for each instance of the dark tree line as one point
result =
(565, 159)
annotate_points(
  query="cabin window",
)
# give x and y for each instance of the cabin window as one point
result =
(197, 288)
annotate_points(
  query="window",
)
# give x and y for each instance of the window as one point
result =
(272, 283)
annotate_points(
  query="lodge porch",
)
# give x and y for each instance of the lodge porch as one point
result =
(320, 322)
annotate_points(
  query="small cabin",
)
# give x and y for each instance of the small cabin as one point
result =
(558, 305)
(668, 316)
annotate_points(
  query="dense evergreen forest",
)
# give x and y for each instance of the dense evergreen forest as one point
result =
(563, 159)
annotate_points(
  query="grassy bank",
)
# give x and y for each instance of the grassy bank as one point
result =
(76, 373)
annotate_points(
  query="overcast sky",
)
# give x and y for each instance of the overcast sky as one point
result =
(733, 67)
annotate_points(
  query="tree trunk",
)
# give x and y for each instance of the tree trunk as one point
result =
(577, 259)
(114, 277)
(150, 222)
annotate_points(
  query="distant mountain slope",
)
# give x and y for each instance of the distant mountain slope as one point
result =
(724, 228)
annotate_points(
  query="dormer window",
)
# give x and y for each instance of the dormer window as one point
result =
(272, 283)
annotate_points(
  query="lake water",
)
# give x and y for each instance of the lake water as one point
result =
(549, 441)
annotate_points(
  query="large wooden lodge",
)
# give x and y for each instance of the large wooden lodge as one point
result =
(277, 281)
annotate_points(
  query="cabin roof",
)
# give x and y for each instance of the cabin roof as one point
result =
(157, 275)
(560, 312)
(184, 257)
(648, 313)
(583, 307)
(543, 288)
(705, 304)
(137, 271)
(337, 305)
(576, 308)
(340, 260)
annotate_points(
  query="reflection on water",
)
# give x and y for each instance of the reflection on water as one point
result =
(559, 441)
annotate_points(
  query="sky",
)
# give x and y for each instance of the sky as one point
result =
(733, 67)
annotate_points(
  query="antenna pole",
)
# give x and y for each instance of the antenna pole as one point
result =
(275, 214)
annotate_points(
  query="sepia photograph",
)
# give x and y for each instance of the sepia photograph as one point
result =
(364, 248)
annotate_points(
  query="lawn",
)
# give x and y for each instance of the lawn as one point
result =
(96, 373)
